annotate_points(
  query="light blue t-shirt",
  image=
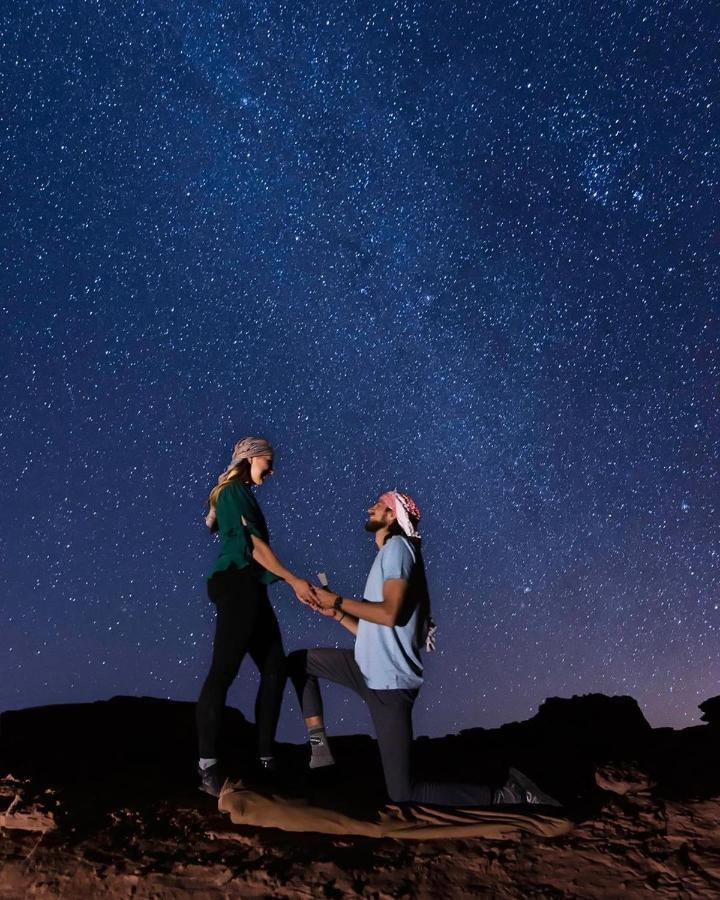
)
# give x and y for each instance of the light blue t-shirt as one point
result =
(389, 658)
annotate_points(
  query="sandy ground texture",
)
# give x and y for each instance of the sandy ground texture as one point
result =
(135, 826)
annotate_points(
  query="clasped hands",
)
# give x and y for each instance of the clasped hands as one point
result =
(316, 598)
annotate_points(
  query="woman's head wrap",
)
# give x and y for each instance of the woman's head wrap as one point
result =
(406, 510)
(247, 448)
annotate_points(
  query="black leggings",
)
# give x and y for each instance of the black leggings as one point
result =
(246, 623)
(391, 713)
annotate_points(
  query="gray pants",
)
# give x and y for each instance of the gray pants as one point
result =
(391, 712)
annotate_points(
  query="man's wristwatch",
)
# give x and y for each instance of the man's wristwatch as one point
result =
(337, 605)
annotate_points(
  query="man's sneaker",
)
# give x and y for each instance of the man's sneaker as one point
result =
(212, 779)
(520, 790)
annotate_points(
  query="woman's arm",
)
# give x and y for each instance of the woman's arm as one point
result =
(236, 505)
(263, 554)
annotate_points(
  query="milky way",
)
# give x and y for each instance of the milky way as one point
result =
(465, 250)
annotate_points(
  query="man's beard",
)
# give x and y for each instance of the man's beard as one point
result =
(373, 526)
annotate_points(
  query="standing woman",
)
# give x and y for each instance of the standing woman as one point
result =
(246, 622)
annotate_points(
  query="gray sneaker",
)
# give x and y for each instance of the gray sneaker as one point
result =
(520, 790)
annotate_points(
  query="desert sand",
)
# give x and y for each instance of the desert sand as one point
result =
(99, 800)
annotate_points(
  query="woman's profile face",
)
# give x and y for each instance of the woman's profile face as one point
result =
(260, 468)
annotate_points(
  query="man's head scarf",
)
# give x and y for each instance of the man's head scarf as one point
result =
(406, 510)
(407, 513)
(246, 448)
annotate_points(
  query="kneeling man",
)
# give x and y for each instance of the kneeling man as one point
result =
(391, 624)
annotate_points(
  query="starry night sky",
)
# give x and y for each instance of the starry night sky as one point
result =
(465, 250)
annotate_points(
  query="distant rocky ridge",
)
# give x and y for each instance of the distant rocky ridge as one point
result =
(100, 799)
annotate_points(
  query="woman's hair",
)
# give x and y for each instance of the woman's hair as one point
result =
(239, 472)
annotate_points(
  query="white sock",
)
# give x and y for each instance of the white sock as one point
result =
(206, 763)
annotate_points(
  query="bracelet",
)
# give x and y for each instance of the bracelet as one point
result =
(341, 617)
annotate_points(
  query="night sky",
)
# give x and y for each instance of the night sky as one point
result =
(464, 250)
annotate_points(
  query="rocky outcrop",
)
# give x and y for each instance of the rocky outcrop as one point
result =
(711, 711)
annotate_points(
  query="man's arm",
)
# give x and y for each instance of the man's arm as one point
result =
(387, 612)
(344, 619)
(349, 622)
